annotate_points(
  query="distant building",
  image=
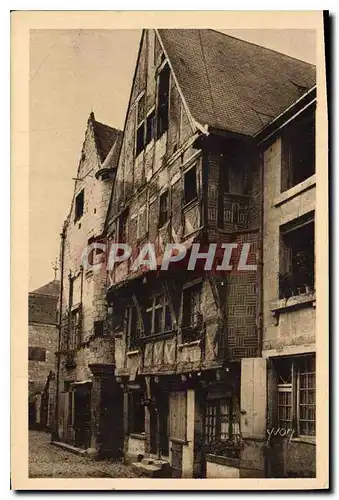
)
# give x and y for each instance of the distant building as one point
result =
(87, 402)
(42, 346)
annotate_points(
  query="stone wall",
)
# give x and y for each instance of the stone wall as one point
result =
(46, 337)
(294, 326)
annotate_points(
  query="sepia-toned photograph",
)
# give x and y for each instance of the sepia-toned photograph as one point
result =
(172, 270)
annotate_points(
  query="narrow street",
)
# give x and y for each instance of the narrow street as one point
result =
(46, 460)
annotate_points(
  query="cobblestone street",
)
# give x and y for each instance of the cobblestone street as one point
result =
(46, 460)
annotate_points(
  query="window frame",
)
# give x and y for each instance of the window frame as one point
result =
(140, 123)
(291, 276)
(294, 388)
(162, 101)
(149, 140)
(132, 326)
(164, 214)
(123, 226)
(34, 350)
(75, 334)
(99, 328)
(186, 172)
(158, 302)
(79, 196)
(191, 330)
(215, 444)
(290, 147)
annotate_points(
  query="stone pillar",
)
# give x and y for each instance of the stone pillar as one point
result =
(106, 413)
(253, 403)
(188, 448)
(126, 421)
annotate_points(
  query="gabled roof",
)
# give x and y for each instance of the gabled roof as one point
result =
(52, 288)
(232, 84)
(105, 137)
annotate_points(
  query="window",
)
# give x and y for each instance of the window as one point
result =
(142, 223)
(140, 133)
(164, 209)
(98, 328)
(37, 354)
(285, 394)
(140, 138)
(75, 334)
(190, 184)
(297, 260)
(163, 98)
(222, 429)
(298, 152)
(136, 412)
(132, 327)
(150, 127)
(296, 384)
(145, 131)
(191, 317)
(123, 220)
(158, 316)
(79, 205)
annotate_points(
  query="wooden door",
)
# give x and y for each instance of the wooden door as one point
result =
(176, 449)
(153, 431)
(163, 423)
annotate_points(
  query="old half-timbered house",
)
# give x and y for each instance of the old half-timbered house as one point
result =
(88, 396)
(188, 342)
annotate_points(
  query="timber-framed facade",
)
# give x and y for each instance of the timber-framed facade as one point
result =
(188, 344)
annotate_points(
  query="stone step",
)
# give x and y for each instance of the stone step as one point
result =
(149, 467)
(69, 447)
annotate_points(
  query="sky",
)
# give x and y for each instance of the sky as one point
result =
(74, 72)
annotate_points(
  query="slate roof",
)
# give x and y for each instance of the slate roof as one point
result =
(232, 84)
(105, 137)
(52, 288)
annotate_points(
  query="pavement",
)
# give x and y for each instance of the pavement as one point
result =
(46, 460)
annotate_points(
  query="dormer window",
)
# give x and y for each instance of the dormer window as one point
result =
(79, 205)
(163, 99)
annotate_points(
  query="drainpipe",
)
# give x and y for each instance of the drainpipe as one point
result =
(261, 262)
(55, 432)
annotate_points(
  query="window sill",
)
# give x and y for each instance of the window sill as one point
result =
(164, 225)
(133, 353)
(179, 441)
(157, 336)
(304, 439)
(136, 435)
(221, 460)
(238, 195)
(149, 146)
(294, 302)
(190, 203)
(189, 344)
(295, 191)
